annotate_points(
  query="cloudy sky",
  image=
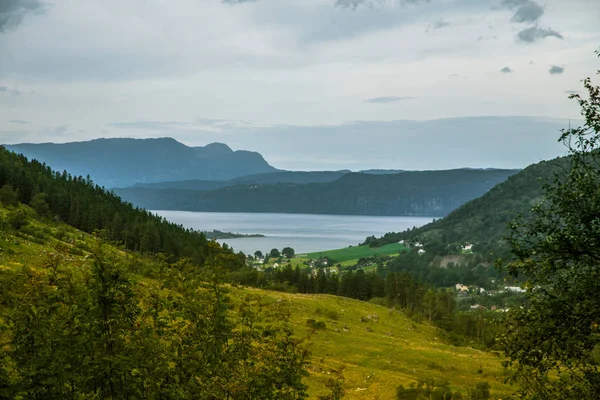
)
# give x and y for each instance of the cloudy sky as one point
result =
(311, 84)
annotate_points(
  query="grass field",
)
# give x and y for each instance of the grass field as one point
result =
(376, 356)
(356, 252)
(379, 355)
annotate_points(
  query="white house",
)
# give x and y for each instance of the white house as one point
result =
(421, 252)
(515, 289)
(467, 247)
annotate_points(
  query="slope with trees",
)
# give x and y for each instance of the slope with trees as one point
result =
(416, 193)
(484, 219)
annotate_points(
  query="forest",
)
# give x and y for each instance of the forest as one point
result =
(410, 193)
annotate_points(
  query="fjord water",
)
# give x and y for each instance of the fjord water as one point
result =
(303, 232)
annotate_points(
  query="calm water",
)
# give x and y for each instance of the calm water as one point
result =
(303, 232)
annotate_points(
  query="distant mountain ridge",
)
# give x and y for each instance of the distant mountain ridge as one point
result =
(416, 193)
(124, 162)
(296, 177)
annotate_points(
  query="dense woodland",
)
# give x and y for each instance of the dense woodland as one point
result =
(88, 207)
(483, 221)
(416, 193)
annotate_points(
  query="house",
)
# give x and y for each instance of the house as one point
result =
(458, 286)
(275, 265)
(467, 247)
(477, 307)
(421, 252)
(516, 289)
(418, 244)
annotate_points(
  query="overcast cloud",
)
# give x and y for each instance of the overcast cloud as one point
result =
(255, 74)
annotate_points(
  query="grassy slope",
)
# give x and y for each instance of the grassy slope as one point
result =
(356, 252)
(395, 351)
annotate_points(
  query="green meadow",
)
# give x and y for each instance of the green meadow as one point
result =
(356, 252)
(376, 348)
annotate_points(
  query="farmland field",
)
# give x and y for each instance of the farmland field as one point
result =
(356, 252)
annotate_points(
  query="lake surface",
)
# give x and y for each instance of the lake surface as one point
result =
(302, 232)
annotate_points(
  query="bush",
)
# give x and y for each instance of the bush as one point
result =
(331, 314)
(317, 325)
(8, 196)
(40, 204)
(18, 218)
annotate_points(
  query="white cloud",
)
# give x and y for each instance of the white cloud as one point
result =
(293, 62)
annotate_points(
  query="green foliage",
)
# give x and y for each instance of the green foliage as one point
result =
(86, 206)
(39, 203)
(425, 193)
(18, 218)
(552, 340)
(482, 221)
(317, 325)
(8, 196)
(92, 329)
(288, 252)
(274, 253)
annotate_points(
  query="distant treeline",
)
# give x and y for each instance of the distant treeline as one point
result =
(418, 193)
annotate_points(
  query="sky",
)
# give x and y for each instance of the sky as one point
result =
(310, 84)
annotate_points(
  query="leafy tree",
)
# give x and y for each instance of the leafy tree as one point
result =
(288, 252)
(40, 204)
(274, 253)
(18, 218)
(552, 340)
(8, 196)
(258, 254)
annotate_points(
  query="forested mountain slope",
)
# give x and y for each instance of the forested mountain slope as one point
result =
(86, 206)
(484, 219)
(125, 162)
(297, 177)
(417, 193)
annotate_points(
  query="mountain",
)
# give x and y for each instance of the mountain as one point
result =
(125, 162)
(381, 171)
(297, 177)
(484, 219)
(416, 193)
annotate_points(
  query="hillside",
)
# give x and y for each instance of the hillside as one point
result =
(296, 177)
(125, 162)
(378, 348)
(484, 219)
(416, 193)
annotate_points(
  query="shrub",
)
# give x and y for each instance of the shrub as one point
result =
(18, 218)
(317, 325)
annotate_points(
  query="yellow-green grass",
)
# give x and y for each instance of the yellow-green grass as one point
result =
(377, 356)
(356, 252)
(388, 350)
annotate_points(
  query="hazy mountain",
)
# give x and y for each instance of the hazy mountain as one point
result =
(427, 193)
(297, 177)
(381, 171)
(125, 162)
